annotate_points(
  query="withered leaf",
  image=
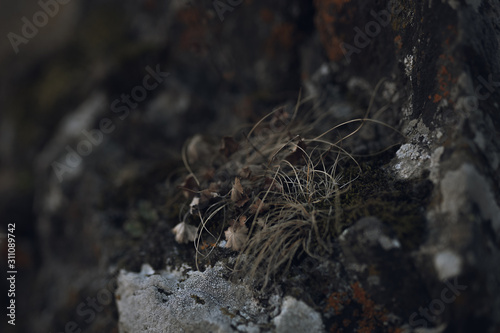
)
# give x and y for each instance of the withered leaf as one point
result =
(189, 187)
(236, 234)
(258, 207)
(194, 204)
(207, 173)
(245, 172)
(237, 194)
(184, 232)
(209, 193)
(272, 185)
(198, 149)
(229, 146)
(298, 153)
(237, 190)
(242, 202)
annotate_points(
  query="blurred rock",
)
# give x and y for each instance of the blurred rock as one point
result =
(425, 218)
(296, 316)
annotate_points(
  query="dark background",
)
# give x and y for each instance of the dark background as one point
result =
(229, 68)
(222, 71)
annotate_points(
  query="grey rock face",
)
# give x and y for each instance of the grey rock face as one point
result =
(373, 254)
(447, 108)
(438, 64)
(296, 316)
(169, 301)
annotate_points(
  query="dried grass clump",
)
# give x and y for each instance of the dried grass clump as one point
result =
(273, 193)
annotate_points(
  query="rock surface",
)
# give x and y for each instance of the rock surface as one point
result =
(173, 301)
(170, 302)
(296, 316)
(419, 247)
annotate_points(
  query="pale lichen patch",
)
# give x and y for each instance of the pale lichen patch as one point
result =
(411, 161)
(447, 264)
(464, 187)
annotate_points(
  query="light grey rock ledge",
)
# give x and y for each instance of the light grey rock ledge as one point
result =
(172, 301)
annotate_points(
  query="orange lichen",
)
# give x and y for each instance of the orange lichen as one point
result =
(194, 35)
(452, 34)
(206, 245)
(229, 76)
(395, 330)
(329, 14)
(340, 3)
(335, 301)
(370, 316)
(356, 311)
(398, 42)
(282, 38)
(266, 15)
(444, 78)
(446, 62)
(190, 16)
(334, 328)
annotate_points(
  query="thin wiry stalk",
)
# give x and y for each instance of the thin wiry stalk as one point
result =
(297, 175)
(186, 163)
(201, 228)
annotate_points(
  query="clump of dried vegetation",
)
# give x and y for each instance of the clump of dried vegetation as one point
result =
(271, 192)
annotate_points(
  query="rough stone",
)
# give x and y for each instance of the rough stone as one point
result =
(429, 74)
(190, 301)
(296, 316)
